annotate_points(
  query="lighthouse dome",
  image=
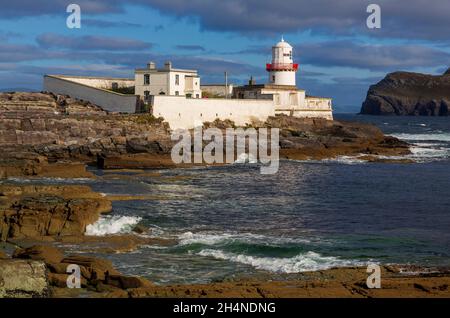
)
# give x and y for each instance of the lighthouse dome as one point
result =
(283, 44)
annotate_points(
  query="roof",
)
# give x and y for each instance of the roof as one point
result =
(283, 44)
(162, 70)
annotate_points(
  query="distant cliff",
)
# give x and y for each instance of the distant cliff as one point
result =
(404, 93)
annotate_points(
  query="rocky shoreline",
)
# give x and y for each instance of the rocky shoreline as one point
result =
(48, 136)
(55, 136)
(41, 271)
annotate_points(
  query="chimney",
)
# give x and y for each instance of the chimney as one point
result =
(151, 65)
(251, 82)
(168, 65)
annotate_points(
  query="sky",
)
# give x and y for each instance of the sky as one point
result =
(339, 56)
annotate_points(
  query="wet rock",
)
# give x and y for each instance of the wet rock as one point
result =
(92, 268)
(46, 253)
(140, 229)
(40, 211)
(3, 255)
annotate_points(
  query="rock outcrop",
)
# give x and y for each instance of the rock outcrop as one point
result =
(404, 93)
(23, 279)
(42, 271)
(42, 135)
(307, 138)
(39, 211)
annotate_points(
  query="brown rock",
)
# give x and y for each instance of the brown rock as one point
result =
(48, 254)
(127, 282)
(3, 255)
(97, 269)
(40, 211)
(60, 280)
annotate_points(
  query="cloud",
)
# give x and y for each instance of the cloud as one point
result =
(368, 56)
(190, 47)
(110, 24)
(405, 19)
(29, 8)
(412, 19)
(90, 42)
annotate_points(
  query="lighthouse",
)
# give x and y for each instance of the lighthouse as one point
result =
(282, 69)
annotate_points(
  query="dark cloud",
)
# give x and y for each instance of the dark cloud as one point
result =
(110, 24)
(90, 42)
(407, 19)
(23, 52)
(190, 47)
(370, 57)
(412, 19)
(27, 8)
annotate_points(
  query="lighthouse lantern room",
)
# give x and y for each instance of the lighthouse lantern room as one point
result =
(282, 69)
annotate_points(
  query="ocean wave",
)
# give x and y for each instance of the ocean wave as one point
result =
(423, 137)
(309, 261)
(189, 238)
(246, 158)
(49, 179)
(345, 160)
(112, 225)
(429, 152)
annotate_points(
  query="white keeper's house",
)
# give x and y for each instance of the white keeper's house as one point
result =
(176, 94)
(166, 81)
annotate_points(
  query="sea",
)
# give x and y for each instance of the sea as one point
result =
(231, 222)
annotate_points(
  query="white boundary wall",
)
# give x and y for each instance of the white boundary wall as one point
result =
(187, 113)
(99, 82)
(108, 100)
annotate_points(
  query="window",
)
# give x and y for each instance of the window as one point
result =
(115, 86)
(177, 93)
(273, 78)
(177, 79)
(146, 96)
(146, 79)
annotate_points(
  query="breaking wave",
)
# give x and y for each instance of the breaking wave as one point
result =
(423, 137)
(246, 158)
(427, 147)
(189, 238)
(309, 261)
(112, 225)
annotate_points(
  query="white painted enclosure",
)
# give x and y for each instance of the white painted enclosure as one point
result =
(187, 113)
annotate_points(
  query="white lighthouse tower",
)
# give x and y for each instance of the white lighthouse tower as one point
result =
(282, 70)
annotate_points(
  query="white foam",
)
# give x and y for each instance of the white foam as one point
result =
(246, 158)
(189, 238)
(48, 179)
(423, 137)
(309, 261)
(112, 225)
